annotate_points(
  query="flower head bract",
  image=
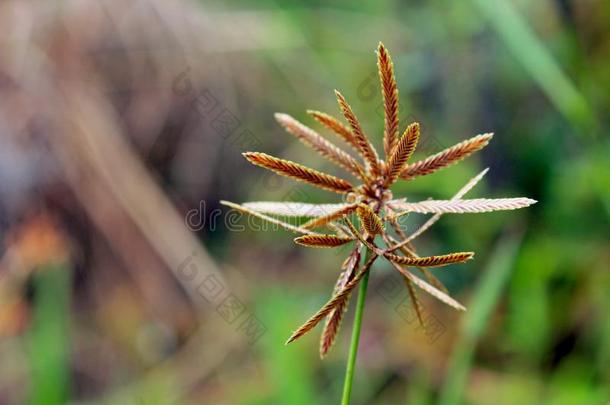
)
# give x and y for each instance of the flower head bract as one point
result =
(371, 201)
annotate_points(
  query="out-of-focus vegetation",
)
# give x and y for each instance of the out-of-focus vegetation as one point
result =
(121, 127)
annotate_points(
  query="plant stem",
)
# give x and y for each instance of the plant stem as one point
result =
(353, 349)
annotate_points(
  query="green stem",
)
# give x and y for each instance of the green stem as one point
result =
(353, 349)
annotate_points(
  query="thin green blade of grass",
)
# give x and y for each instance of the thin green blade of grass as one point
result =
(522, 41)
(49, 337)
(290, 370)
(475, 320)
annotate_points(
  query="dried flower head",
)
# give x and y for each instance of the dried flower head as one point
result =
(371, 200)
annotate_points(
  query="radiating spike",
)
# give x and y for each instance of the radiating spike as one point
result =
(436, 293)
(269, 219)
(299, 172)
(446, 157)
(393, 245)
(293, 209)
(333, 321)
(389, 90)
(474, 205)
(337, 127)
(330, 305)
(366, 148)
(325, 148)
(402, 152)
(433, 219)
(330, 217)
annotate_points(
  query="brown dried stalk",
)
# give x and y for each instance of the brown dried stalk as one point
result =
(373, 202)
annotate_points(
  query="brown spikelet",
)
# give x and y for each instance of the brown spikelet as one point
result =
(322, 241)
(332, 325)
(325, 148)
(446, 157)
(330, 217)
(299, 172)
(330, 305)
(389, 90)
(337, 127)
(428, 261)
(370, 221)
(333, 321)
(402, 152)
(365, 147)
(350, 263)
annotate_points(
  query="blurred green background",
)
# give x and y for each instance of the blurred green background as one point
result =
(123, 281)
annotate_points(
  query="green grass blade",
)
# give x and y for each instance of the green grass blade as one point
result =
(522, 41)
(48, 340)
(480, 308)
